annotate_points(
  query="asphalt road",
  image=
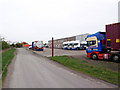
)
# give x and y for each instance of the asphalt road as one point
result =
(28, 70)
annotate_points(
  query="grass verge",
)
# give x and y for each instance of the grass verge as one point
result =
(6, 59)
(88, 69)
(0, 84)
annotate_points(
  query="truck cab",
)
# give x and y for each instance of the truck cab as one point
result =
(96, 46)
(105, 45)
(95, 43)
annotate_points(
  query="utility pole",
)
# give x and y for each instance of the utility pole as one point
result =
(52, 47)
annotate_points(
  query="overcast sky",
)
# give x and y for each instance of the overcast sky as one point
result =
(30, 20)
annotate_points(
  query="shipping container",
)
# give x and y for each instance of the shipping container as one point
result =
(113, 36)
(119, 11)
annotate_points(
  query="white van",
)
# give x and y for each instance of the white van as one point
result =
(83, 45)
(65, 45)
(70, 45)
(76, 45)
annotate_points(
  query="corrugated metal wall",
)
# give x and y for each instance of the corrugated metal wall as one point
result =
(81, 37)
(113, 35)
(119, 11)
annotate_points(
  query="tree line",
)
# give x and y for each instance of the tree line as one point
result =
(5, 45)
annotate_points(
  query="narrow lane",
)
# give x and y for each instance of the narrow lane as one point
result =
(31, 71)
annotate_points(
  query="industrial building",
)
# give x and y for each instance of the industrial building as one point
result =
(58, 43)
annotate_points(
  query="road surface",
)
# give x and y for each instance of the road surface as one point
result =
(28, 70)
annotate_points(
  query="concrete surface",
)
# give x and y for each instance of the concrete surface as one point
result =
(28, 70)
(59, 52)
(79, 54)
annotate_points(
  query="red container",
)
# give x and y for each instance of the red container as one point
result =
(26, 45)
(113, 36)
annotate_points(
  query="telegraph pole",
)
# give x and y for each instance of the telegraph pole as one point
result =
(52, 47)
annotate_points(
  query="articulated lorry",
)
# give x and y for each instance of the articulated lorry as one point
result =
(105, 45)
(37, 45)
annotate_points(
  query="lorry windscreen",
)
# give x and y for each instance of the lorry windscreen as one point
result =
(90, 43)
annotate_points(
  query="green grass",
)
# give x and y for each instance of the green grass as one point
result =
(4, 73)
(88, 69)
(7, 56)
(6, 59)
(0, 84)
(0, 62)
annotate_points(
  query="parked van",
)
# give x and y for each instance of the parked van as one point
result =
(83, 45)
(70, 45)
(65, 45)
(75, 45)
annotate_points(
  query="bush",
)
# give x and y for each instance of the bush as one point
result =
(18, 45)
(12, 45)
(4, 45)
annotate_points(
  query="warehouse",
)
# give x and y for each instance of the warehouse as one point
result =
(58, 43)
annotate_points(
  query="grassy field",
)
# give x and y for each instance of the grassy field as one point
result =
(88, 69)
(6, 59)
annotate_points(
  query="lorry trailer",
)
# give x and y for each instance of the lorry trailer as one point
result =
(105, 45)
(37, 45)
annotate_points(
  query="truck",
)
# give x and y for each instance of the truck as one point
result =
(37, 45)
(105, 45)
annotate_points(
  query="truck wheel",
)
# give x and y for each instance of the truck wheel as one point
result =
(115, 58)
(94, 56)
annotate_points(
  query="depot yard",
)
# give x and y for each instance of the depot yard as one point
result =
(77, 60)
(81, 55)
(59, 52)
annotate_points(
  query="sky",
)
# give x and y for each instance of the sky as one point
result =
(36, 20)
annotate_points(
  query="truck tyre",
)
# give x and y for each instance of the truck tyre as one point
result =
(94, 56)
(115, 58)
